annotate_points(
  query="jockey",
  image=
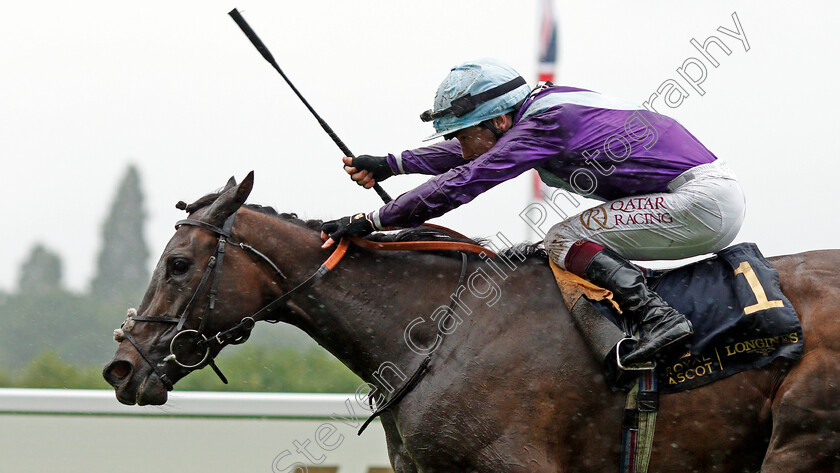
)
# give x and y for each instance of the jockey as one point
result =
(665, 195)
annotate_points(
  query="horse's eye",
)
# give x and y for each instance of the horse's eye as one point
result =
(178, 266)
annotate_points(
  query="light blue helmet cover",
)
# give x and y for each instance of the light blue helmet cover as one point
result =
(474, 77)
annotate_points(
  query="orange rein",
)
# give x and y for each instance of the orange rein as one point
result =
(341, 249)
(421, 246)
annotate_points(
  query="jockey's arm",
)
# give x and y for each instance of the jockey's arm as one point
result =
(514, 153)
(435, 159)
(432, 160)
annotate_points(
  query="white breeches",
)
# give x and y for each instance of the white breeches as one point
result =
(701, 213)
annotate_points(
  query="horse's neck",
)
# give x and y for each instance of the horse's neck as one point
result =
(359, 311)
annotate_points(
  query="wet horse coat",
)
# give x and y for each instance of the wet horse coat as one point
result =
(511, 387)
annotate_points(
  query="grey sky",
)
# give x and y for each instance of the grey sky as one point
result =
(175, 87)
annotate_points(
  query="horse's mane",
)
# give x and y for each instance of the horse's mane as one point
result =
(528, 250)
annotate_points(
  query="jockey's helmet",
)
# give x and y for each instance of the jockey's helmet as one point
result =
(473, 92)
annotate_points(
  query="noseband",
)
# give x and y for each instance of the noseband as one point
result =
(198, 347)
(192, 344)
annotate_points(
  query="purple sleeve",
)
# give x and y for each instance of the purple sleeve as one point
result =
(527, 145)
(435, 159)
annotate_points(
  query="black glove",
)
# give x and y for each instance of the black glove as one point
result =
(356, 225)
(378, 165)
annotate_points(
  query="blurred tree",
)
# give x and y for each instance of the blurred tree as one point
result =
(47, 370)
(121, 272)
(249, 368)
(5, 378)
(41, 272)
(75, 327)
(256, 368)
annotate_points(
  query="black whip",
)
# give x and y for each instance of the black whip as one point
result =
(255, 40)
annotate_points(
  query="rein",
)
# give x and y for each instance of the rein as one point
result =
(424, 365)
(240, 332)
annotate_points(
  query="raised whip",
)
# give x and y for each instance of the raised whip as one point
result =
(255, 40)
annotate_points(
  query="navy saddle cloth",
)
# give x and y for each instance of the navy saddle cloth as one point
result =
(741, 318)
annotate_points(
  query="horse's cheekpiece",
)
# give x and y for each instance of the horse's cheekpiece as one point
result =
(741, 321)
(190, 348)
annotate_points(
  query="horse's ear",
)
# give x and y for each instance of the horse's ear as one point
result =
(229, 202)
(230, 183)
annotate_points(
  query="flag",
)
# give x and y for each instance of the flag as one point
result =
(545, 69)
(548, 42)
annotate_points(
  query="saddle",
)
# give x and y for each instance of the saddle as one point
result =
(741, 319)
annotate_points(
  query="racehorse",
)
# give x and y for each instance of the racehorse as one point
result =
(510, 387)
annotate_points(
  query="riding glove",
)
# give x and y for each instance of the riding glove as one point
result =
(378, 165)
(356, 225)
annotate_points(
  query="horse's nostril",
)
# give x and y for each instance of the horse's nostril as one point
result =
(117, 371)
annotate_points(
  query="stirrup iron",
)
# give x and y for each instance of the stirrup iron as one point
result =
(634, 367)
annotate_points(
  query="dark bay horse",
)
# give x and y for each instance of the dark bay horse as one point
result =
(511, 386)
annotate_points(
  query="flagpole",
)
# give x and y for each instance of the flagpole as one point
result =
(547, 58)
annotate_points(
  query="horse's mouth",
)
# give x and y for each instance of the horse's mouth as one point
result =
(151, 391)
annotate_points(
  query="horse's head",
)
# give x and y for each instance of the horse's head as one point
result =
(188, 302)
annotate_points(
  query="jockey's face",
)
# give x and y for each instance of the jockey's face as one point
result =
(475, 141)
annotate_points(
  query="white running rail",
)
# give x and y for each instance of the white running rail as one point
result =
(43, 430)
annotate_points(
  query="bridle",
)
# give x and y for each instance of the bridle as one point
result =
(191, 344)
(196, 344)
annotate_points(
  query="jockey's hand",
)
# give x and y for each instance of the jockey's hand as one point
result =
(356, 225)
(367, 170)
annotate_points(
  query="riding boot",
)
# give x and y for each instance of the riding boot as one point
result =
(661, 324)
